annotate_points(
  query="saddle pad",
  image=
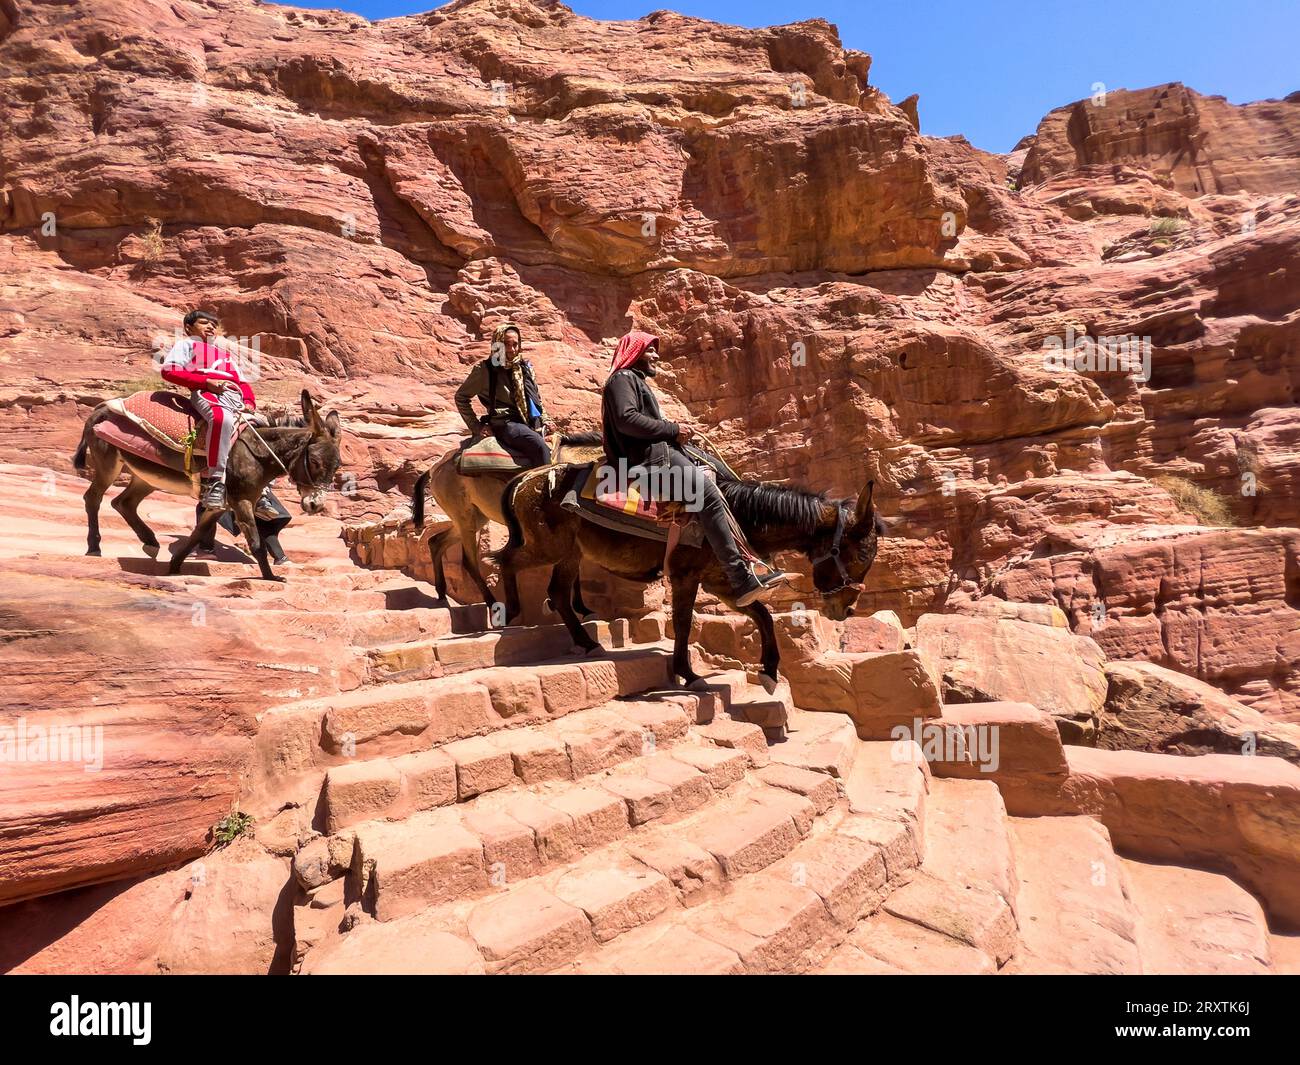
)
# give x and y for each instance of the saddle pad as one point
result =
(126, 436)
(630, 503)
(486, 456)
(167, 417)
(629, 513)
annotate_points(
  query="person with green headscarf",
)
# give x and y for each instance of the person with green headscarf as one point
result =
(504, 384)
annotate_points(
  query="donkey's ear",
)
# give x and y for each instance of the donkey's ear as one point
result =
(311, 413)
(332, 424)
(864, 510)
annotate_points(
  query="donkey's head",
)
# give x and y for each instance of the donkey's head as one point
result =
(842, 555)
(314, 468)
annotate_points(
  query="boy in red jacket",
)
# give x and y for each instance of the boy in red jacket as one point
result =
(220, 396)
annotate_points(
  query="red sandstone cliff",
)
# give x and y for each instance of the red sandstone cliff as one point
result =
(838, 294)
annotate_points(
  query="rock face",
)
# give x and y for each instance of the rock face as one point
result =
(1194, 144)
(1150, 708)
(984, 660)
(839, 297)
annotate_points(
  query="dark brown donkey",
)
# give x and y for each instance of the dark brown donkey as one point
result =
(308, 449)
(838, 536)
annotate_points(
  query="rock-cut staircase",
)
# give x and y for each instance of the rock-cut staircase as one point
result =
(484, 802)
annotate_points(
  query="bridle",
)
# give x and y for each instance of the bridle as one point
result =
(837, 540)
(299, 468)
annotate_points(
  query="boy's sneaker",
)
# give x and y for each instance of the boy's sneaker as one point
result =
(752, 587)
(265, 508)
(212, 493)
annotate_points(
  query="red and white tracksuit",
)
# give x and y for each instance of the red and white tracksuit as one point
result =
(194, 365)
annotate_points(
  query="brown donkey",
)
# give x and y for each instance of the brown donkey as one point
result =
(838, 536)
(308, 449)
(471, 502)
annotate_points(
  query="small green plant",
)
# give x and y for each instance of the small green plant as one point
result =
(1163, 229)
(1207, 505)
(230, 828)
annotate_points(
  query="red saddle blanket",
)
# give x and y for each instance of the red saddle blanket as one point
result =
(167, 417)
(160, 426)
(126, 436)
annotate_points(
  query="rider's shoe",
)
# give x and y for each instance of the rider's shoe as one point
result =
(265, 508)
(751, 586)
(212, 493)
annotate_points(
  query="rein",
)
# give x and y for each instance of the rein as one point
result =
(248, 424)
(298, 475)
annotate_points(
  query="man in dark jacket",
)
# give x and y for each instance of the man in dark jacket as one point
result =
(644, 447)
(505, 385)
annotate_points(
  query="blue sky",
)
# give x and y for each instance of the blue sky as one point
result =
(992, 68)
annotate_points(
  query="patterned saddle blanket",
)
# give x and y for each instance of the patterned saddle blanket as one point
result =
(486, 456)
(166, 417)
(159, 426)
(629, 511)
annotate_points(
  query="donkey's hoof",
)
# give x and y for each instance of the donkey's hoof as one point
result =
(594, 652)
(94, 552)
(769, 684)
(151, 550)
(274, 579)
(698, 684)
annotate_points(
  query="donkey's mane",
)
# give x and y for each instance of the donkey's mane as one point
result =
(766, 506)
(286, 419)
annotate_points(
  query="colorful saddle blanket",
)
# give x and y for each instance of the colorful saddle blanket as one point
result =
(630, 512)
(486, 456)
(125, 435)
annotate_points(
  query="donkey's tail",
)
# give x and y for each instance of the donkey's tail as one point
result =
(417, 505)
(87, 438)
(512, 523)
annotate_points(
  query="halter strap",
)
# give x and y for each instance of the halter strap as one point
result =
(837, 538)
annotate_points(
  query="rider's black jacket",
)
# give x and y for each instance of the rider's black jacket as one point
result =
(631, 422)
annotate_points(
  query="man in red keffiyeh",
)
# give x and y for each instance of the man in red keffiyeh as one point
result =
(644, 448)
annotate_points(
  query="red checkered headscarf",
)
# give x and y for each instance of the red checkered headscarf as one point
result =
(630, 348)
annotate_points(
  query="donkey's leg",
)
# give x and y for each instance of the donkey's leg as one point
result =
(560, 589)
(685, 588)
(108, 464)
(247, 522)
(182, 550)
(438, 544)
(127, 504)
(580, 608)
(469, 553)
(762, 618)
